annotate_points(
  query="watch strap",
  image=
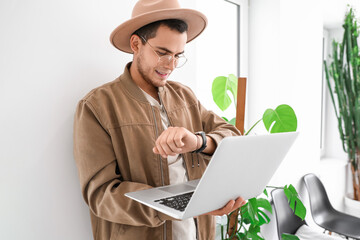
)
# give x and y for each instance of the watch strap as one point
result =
(203, 146)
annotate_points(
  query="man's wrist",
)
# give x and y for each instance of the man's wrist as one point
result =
(198, 142)
(203, 141)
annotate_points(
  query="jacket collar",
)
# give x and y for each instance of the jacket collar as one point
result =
(134, 89)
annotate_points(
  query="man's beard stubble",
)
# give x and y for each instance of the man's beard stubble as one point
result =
(143, 74)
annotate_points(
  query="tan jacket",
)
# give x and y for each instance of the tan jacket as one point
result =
(114, 132)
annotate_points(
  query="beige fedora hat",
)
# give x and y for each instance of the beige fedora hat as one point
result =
(148, 11)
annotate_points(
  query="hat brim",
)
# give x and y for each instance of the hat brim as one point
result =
(196, 21)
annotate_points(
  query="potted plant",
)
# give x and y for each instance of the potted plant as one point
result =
(343, 80)
(245, 222)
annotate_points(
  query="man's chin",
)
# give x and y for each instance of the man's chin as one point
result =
(162, 84)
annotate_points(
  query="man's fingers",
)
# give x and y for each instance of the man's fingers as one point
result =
(238, 203)
(178, 139)
(165, 144)
(230, 207)
(161, 144)
(224, 210)
(166, 148)
(175, 140)
(172, 144)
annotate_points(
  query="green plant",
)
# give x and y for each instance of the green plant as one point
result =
(282, 119)
(344, 70)
(252, 215)
(245, 222)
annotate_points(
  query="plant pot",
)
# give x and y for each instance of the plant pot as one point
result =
(352, 206)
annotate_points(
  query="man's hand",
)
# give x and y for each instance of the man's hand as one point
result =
(230, 207)
(175, 140)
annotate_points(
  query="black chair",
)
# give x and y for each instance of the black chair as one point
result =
(287, 221)
(325, 215)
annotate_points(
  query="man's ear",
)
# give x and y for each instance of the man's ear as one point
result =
(135, 43)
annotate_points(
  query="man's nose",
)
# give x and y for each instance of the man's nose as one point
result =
(171, 64)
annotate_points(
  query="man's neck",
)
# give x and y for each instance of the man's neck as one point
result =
(141, 83)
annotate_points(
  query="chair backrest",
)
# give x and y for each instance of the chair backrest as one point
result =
(287, 221)
(319, 201)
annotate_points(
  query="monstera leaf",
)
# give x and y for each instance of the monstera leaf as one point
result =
(220, 87)
(294, 201)
(282, 119)
(253, 212)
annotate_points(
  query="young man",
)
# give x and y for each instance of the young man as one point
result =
(142, 131)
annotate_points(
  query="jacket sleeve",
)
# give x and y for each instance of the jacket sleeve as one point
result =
(216, 127)
(100, 179)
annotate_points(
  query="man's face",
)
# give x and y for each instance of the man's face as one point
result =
(166, 42)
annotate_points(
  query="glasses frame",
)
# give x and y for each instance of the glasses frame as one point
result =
(168, 57)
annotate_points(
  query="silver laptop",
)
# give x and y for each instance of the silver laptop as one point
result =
(240, 166)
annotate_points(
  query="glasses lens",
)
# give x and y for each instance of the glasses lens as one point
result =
(166, 59)
(180, 61)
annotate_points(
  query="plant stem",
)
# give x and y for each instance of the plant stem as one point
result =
(274, 187)
(222, 232)
(233, 223)
(252, 127)
(345, 72)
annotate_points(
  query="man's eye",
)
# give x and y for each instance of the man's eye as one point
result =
(161, 53)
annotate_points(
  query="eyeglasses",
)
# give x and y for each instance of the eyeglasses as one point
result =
(165, 59)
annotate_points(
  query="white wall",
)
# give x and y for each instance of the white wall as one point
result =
(285, 67)
(52, 54)
(216, 50)
(285, 50)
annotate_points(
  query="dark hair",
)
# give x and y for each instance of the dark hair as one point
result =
(149, 31)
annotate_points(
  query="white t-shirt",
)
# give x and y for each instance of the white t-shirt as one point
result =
(186, 229)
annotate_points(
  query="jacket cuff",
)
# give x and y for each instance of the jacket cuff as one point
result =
(217, 138)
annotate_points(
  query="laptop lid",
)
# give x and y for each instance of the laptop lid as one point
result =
(241, 166)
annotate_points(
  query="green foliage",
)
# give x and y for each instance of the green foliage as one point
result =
(252, 216)
(232, 121)
(294, 201)
(344, 71)
(220, 87)
(282, 119)
(265, 192)
(253, 233)
(253, 211)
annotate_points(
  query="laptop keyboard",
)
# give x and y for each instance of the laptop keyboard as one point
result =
(178, 202)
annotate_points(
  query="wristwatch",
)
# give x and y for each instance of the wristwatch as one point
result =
(203, 146)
